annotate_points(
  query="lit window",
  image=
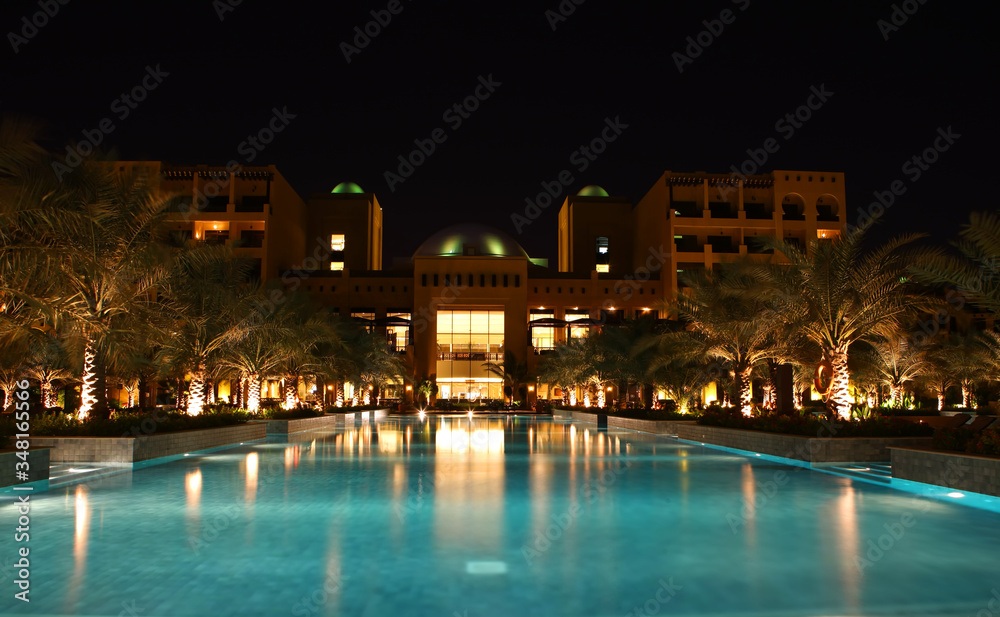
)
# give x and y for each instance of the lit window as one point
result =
(337, 243)
(602, 245)
(603, 268)
(336, 265)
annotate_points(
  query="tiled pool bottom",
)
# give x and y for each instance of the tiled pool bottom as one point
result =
(497, 516)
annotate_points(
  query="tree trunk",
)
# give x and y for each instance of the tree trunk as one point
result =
(88, 381)
(586, 397)
(253, 393)
(210, 391)
(896, 395)
(291, 391)
(967, 398)
(839, 402)
(236, 392)
(940, 397)
(340, 394)
(743, 392)
(565, 395)
(601, 400)
(49, 398)
(196, 390)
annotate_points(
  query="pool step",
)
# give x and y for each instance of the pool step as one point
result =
(873, 472)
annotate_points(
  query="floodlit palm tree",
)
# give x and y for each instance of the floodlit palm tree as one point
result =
(835, 294)
(737, 328)
(567, 367)
(369, 363)
(896, 364)
(90, 241)
(209, 298)
(965, 358)
(512, 371)
(48, 364)
(679, 368)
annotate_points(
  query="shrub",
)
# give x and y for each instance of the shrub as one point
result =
(125, 424)
(814, 427)
(276, 413)
(986, 443)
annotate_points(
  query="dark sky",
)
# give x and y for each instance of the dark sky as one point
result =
(607, 59)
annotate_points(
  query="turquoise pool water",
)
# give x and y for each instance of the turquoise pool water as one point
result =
(497, 516)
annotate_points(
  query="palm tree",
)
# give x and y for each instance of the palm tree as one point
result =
(679, 368)
(210, 296)
(975, 274)
(567, 367)
(91, 244)
(835, 294)
(737, 328)
(896, 364)
(512, 371)
(48, 364)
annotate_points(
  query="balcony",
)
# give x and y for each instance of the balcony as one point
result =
(251, 204)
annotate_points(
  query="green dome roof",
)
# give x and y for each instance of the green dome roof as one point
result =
(483, 240)
(592, 190)
(347, 187)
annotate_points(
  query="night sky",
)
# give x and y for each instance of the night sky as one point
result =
(561, 77)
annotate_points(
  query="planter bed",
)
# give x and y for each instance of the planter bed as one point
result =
(38, 466)
(808, 449)
(957, 470)
(125, 451)
(295, 425)
(656, 427)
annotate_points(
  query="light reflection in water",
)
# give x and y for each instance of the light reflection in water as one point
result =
(192, 486)
(748, 508)
(848, 545)
(252, 464)
(81, 531)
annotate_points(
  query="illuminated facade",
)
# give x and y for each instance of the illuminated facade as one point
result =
(470, 294)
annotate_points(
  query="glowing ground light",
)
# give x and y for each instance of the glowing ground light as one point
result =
(486, 567)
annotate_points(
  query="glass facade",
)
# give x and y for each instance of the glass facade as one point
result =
(466, 339)
(542, 338)
(398, 336)
(578, 331)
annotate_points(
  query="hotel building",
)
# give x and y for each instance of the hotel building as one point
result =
(470, 293)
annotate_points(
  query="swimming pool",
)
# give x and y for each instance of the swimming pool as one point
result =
(516, 516)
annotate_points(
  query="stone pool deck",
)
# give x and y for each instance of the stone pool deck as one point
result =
(957, 470)
(126, 451)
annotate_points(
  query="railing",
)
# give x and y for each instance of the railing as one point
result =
(472, 356)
